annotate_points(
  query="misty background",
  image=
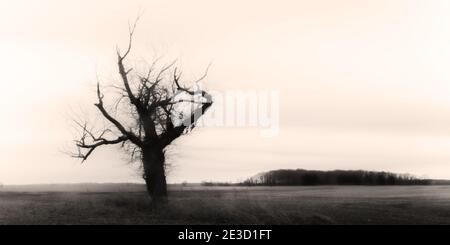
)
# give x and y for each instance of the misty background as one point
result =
(363, 84)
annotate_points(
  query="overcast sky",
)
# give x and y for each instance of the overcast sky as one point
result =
(363, 84)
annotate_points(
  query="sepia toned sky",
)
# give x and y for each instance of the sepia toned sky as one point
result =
(362, 84)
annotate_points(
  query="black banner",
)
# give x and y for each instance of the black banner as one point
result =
(224, 234)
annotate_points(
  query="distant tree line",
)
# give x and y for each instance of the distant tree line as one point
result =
(211, 183)
(290, 177)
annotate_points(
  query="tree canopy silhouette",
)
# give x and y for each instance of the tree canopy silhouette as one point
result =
(159, 109)
(293, 177)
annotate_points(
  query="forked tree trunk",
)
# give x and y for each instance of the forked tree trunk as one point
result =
(155, 176)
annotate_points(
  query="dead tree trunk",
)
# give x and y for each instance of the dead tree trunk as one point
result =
(154, 175)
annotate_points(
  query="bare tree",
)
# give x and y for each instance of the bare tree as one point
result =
(156, 104)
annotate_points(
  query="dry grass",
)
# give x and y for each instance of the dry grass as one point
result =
(231, 205)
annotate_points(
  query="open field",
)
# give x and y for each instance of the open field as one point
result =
(233, 205)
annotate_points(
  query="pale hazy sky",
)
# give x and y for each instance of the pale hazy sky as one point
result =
(363, 84)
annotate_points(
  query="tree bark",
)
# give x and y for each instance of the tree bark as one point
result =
(155, 176)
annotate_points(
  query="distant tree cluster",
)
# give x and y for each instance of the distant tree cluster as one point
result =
(335, 177)
(211, 183)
